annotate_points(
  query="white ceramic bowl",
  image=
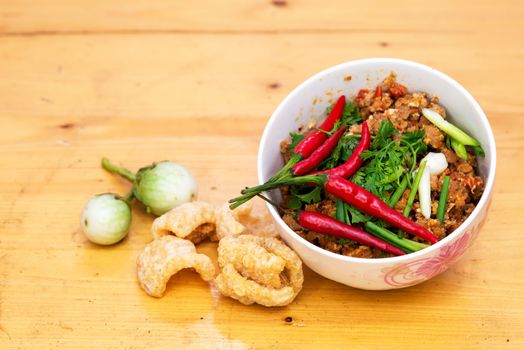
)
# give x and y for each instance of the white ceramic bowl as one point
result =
(309, 101)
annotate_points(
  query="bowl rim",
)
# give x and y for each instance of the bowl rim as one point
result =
(484, 199)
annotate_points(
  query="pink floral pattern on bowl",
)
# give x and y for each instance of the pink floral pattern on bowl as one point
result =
(423, 269)
(407, 274)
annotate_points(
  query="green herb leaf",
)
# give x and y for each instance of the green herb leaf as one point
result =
(299, 199)
(357, 216)
(345, 147)
(295, 139)
(349, 117)
(311, 197)
(392, 175)
(388, 159)
(294, 203)
(350, 143)
(343, 241)
(385, 130)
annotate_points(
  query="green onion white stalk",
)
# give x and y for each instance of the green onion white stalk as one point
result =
(424, 193)
(436, 163)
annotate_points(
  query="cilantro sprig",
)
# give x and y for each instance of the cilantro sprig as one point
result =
(301, 195)
(389, 158)
(295, 139)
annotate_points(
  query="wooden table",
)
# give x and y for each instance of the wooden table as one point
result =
(195, 82)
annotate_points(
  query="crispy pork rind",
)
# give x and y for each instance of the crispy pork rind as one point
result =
(257, 221)
(184, 219)
(232, 284)
(260, 270)
(227, 223)
(197, 221)
(164, 257)
(251, 260)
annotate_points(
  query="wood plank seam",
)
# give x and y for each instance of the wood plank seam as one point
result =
(319, 31)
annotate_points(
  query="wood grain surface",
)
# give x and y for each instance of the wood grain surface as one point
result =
(195, 82)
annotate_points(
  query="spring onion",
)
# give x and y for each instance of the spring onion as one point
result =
(459, 149)
(106, 219)
(395, 197)
(441, 211)
(436, 163)
(479, 151)
(424, 192)
(405, 244)
(340, 211)
(449, 128)
(413, 191)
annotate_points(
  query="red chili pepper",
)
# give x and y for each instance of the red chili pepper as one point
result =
(361, 95)
(371, 204)
(351, 194)
(398, 90)
(315, 138)
(306, 165)
(378, 91)
(307, 146)
(327, 225)
(354, 162)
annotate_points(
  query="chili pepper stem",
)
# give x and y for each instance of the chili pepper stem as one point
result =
(309, 179)
(273, 203)
(283, 173)
(299, 180)
(239, 201)
(236, 199)
(285, 169)
(115, 169)
(267, 184)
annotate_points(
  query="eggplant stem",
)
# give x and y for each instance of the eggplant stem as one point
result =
(129, 197)
(115, 169)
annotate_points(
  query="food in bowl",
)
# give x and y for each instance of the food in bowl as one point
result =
(349, 185)
(299, 108)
